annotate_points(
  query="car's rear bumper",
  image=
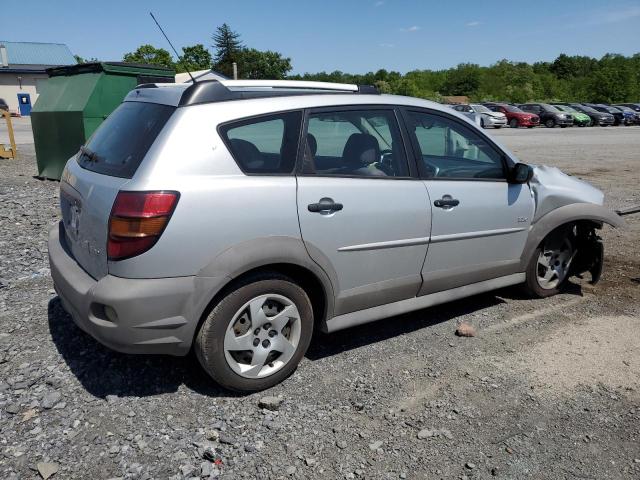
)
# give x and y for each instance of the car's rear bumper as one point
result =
(157, 315)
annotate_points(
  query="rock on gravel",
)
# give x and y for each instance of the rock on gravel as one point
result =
(50, 399)
(47, 470)
(465, 330)
(270, 403)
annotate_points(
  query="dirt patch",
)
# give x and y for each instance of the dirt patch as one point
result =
(602, 350)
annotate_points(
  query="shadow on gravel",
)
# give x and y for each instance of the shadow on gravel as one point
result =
(105, 372)
(324, 345)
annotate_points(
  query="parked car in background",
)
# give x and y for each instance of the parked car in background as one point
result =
(488, 118)
(291, 212)
(515, 117)
(602, 119)
(580, 119)
(633, 106)
(618, 116)
(3, 105)
(474, 117)
(630, 113)
(549, 115)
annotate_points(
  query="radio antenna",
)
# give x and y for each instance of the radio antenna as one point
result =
(173, 48)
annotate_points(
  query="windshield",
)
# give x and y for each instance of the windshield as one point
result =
(624, 109)
(584, 108)
(118, 146)
(550, 108)
(512, 109)
(480, 108)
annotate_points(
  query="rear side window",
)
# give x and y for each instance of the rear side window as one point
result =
(118, 146)
(266, 145)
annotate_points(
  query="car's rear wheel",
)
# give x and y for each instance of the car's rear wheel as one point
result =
(550, 123)
(257, 334)
(549, 268)
(513, 123)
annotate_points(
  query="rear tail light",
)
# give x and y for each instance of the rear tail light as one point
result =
(137, 220)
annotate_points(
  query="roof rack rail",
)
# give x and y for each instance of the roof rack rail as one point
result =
(209, 91)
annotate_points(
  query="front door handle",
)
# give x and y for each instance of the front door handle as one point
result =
(446, 202)
(324, 206)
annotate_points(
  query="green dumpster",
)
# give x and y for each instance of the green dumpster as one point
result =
(75, 100)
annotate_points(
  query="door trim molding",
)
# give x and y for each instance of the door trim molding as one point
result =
(391, 309)
(469, 235)
(407, 242)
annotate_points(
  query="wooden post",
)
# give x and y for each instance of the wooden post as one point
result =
(11, 152)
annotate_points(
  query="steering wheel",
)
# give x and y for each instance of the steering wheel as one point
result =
(386, 162)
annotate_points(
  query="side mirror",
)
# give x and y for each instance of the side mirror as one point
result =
(520, 173)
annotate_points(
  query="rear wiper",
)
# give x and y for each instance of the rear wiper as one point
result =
(90, 154)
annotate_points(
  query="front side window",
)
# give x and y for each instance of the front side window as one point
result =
(449, 149)
(355, 143)
(266, 145)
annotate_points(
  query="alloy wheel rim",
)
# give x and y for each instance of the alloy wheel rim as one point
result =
(262, 336)
(554, 263)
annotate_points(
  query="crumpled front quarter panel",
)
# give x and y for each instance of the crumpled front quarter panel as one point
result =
(554, 189)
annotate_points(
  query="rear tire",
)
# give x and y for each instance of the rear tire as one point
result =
(256, 335)
(550, 123)
(513, 123)
(549, 268)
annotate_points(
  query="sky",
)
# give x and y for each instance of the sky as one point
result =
(354, 36)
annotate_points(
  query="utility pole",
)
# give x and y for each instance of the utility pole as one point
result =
(235, 71)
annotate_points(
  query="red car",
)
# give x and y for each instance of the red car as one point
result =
(515, 116)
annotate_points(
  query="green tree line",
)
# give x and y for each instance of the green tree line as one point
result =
(611, 78)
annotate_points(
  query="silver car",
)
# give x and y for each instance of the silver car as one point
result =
(233, 217)
(485, 117)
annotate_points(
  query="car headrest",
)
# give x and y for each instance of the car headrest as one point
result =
(361, 149)
(248, 152)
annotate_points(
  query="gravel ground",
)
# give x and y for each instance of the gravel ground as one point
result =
(547, 389)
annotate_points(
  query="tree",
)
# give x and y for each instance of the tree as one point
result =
(462, 80)
(228, 46)
(80, 59)
(150, 55)
(256, 65)
(194, 58)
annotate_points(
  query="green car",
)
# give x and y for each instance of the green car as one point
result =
(580, 119)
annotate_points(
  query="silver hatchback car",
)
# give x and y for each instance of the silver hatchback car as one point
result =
(234, 217)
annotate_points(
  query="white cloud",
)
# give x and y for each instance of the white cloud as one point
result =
(379, 3)
(387, 45)
(474, 23)
(414, 28)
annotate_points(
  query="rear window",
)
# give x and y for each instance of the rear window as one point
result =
(118, 146)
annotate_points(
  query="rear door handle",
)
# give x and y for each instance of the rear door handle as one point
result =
(324, 207)
(445, 202)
